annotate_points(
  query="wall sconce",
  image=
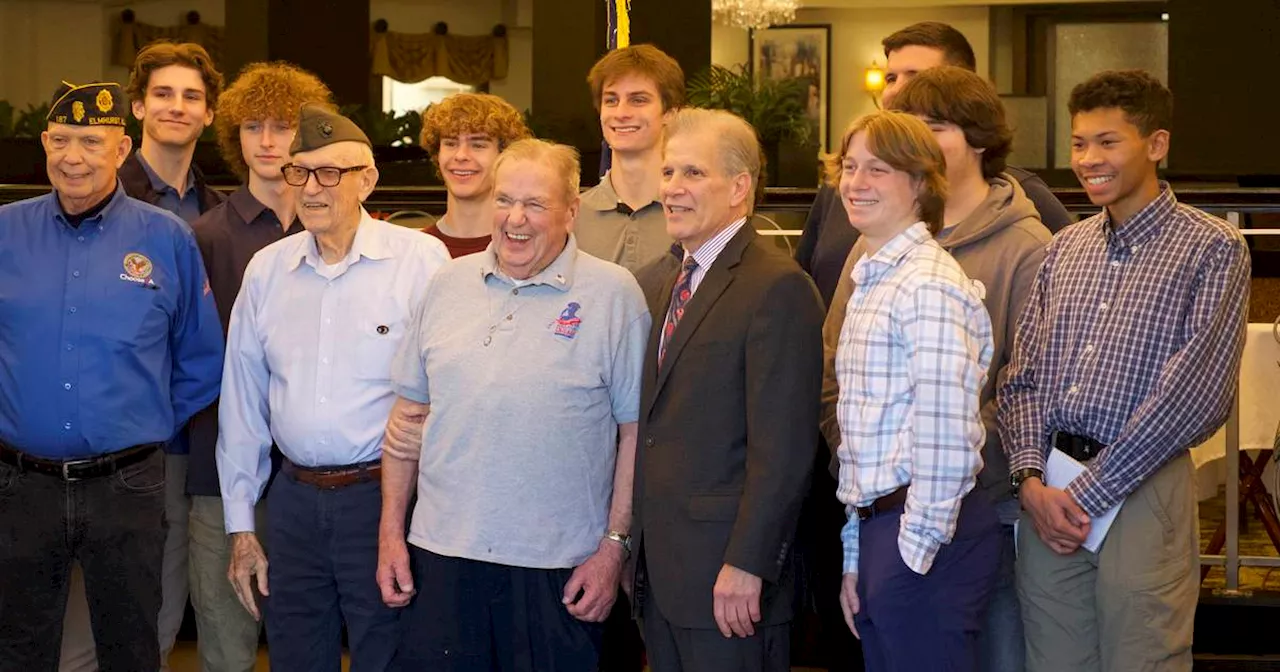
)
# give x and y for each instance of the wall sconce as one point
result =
(873, 82)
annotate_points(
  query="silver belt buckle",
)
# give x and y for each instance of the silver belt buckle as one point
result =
(66, 470)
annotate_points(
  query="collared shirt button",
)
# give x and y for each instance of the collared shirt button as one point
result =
(1073, 389)
(648, 442)
(80, 238)
(1102, 306)
(70, 347)
(1115, 262)
(324, 360)
(1088, 348)
(72, 309)
(515, 292)
(75, 274)
(324, 400)
(66, 425)
(66, 386)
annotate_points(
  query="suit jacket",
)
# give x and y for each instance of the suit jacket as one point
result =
(728, 430)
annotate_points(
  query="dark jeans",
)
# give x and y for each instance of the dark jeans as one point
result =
(321, 571)
(473, 616)
(114, 526)
(910, 622)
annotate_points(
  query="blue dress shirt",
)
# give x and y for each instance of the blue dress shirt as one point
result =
(309, 355)
(108, 333)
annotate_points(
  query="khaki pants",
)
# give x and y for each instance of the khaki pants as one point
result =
(228, 635)
(1130, 607)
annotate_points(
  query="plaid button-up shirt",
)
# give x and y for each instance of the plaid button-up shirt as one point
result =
(1132, 336)
(911, 363)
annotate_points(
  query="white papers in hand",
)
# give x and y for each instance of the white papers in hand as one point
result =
(1060, 470)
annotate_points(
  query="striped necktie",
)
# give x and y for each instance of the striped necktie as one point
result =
(679, 297)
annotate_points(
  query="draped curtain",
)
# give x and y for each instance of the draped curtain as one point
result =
(132, 36)
(466, 59)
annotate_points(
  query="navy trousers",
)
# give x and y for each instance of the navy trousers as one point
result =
(322, 571)
(910, 622)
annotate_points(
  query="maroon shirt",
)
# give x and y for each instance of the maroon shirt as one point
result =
(459, 247)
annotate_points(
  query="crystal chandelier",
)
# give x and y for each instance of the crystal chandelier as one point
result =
(748, 14)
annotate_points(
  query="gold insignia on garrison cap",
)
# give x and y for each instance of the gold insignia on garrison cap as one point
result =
(97, 104)
(319, 126)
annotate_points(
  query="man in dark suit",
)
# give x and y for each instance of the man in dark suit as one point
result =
(728, 407)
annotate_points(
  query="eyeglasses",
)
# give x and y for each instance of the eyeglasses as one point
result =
(297, 176)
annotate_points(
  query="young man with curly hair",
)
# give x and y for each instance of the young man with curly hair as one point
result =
(636, 90)
(1127, 355)
(464, 134)
(256, 121)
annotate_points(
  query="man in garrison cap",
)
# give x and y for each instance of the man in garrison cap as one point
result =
(312, 334)
(109, 342)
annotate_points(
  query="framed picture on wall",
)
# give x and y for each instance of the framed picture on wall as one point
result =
(804, 51)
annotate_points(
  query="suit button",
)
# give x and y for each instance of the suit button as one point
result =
(648, 442)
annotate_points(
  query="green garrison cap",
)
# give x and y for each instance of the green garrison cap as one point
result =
(319, 127)
(97, 104)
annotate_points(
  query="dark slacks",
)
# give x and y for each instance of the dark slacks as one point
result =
(114, 526)
(910, 622)
(473, 616)
(675, 649)
(321, 573)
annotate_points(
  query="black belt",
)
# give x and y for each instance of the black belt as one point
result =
(1078, 448)
(78, 469)
(883, 504)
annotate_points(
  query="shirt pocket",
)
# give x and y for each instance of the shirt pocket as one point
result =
(380, 328)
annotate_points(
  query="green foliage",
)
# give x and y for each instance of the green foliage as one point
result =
(30, 123)
(775, 107)
(385, 129)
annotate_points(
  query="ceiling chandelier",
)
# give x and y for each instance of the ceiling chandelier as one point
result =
(748, 14)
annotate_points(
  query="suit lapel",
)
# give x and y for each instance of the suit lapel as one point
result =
(713, 285)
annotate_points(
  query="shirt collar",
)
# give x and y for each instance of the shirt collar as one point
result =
(710, 250)
(245, 204)
(1144, 224)
(604, 198)
(103, 215)
(558, 273)
(370, 243)
(891, 254)
(160, 186)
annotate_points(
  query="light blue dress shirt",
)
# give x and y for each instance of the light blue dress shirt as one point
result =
(309, 355)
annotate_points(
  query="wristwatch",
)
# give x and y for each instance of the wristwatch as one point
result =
(1017, 478)
(623, 539)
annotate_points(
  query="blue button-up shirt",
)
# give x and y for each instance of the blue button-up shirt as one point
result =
(309, 355)
(108, 333)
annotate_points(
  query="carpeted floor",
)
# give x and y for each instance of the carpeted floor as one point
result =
(1253, 541)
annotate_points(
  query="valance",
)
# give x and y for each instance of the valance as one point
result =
(132, 36)
(413, 57)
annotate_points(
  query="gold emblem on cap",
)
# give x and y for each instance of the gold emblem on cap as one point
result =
(104, 101)
(326, 128)
(77, 111)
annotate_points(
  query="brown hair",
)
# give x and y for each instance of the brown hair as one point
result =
(640, 59)
(906, 144)
(1146, 102)
(164, 54)
(936, 35)
(471, 113)
(958, 96)
(263, 91)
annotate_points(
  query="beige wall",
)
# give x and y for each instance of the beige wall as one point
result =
(855, 43)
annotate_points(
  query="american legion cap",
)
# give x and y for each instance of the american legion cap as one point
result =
(98, 104)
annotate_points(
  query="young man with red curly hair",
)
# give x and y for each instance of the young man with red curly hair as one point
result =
(464, 134)
(256, 121)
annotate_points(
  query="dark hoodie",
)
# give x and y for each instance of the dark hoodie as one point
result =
(1000, 244)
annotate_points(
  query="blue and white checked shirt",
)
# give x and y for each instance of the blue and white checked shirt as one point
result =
(309, 355)
(1132, 336)
(911, 363)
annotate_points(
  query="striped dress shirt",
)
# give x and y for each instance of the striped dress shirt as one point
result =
(1132, 336)
(911, 362)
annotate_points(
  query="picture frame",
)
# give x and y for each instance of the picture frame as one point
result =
(798, 50)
